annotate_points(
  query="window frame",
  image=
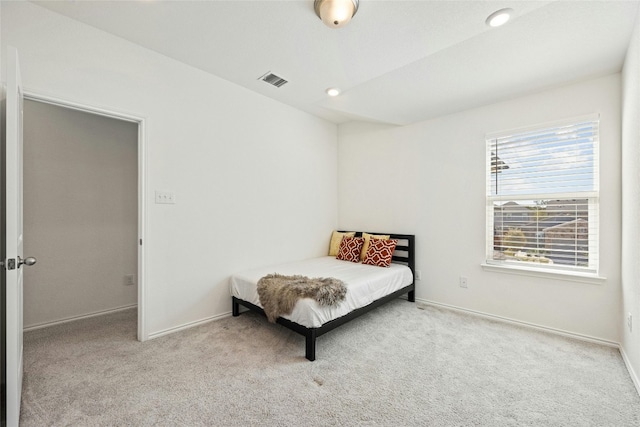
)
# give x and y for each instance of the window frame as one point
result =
(567, 272)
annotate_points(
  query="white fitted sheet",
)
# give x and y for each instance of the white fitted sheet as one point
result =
(365, 284)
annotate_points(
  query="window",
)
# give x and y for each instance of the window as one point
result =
(542, 197)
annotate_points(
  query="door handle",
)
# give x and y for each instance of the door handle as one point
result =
(27, 261)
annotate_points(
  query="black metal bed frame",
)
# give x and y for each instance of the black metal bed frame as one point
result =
(311, 334)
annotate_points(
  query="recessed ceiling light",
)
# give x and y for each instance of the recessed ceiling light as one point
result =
(499, 17)
(332, 91)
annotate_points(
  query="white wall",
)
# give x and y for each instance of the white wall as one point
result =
(630, 340)
(429, 179)
(80, 212)
(255, 180)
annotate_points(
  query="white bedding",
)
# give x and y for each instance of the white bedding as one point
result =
(365, 284)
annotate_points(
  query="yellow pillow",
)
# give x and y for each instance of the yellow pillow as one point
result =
(368, 237)
(336, 239)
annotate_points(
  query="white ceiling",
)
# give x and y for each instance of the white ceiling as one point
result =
(396, 62)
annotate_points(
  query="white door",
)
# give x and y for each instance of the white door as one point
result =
(14, 262)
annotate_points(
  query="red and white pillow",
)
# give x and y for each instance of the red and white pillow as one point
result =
(350, 248)
(380, 252)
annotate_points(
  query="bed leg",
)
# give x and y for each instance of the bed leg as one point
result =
(235, 307)
(311, 345)
(412, 296)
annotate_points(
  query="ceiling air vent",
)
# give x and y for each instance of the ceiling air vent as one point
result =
(272, 79)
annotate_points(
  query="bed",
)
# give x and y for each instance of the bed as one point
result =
(368, 287)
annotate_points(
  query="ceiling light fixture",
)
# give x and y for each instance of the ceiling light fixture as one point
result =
(335, 13)
(499, 17)
(332, 91)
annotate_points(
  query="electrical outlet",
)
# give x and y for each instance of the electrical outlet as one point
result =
(165, 197)
(418, 275)
(129, 280)
(463, 282)
(630, 322)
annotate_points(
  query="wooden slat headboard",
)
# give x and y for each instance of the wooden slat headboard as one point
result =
(405, 252)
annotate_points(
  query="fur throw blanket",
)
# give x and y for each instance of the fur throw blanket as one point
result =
(279, 294)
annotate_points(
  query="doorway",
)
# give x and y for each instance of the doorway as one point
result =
(83, 212)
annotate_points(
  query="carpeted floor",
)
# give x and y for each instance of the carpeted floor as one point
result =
(396, 366)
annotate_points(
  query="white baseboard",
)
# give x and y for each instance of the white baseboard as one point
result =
(632, 372)
(188, 325)
(521, 323)
(82, 316)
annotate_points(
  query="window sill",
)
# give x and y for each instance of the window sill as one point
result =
(548, 274)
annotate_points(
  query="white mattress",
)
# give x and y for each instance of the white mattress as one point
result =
(365, 284)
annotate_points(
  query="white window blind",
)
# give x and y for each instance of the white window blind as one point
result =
(542, 196)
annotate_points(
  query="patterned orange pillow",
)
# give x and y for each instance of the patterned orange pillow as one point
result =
(336, 238)
(367, 237)
(380, 252)
(350, 248)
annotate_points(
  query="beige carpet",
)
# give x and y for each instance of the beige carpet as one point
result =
(396, 366)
